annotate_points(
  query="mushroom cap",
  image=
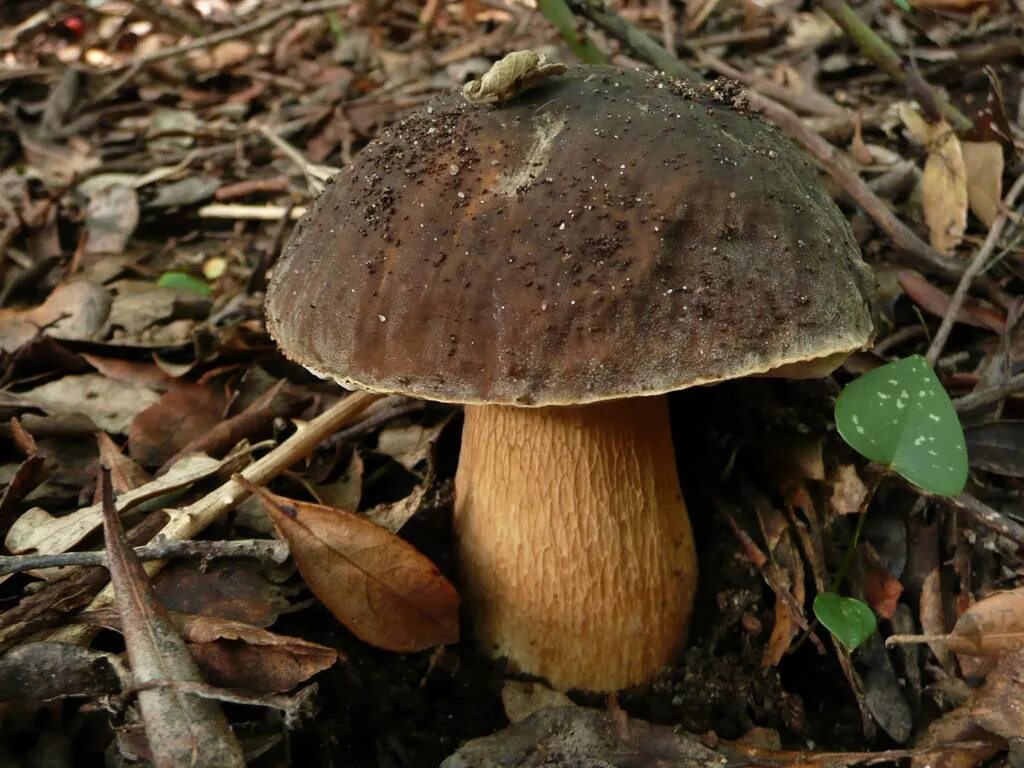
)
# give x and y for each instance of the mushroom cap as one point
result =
(606, 234)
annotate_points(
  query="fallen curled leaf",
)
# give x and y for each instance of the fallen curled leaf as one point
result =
(237, 655)
(183, 413)
(74, 310)
(983, 161)
(375, 583)
(991, 714)
(882, 591)
(991, 627)
(944, 181)
(239, 591)
(110, 219)
(179, 725)
(125, 474)
(944, 193)
(110, 404)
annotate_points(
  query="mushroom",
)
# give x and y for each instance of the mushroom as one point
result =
(558, 261)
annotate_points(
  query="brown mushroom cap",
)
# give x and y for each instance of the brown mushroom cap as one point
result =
(607, 234)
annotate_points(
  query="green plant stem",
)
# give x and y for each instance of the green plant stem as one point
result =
(558, 13)
(933, 102)
(862, 514)
(642, 44)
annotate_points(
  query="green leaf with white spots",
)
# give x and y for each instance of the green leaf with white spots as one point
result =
(900, 416)
(850, 620)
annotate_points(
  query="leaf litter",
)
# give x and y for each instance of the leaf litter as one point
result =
(117, 158)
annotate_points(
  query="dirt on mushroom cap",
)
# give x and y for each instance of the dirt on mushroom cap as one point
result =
(607, 234)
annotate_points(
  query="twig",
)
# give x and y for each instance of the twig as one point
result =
(189, 522)
(985, 516)
(812, 102)
(989, 396)
(270, 550)
(307, 8)
(133, 66)
(977, 264)
(241, 211)
(165, 13)
(933, 102)
(634, 38)
(315, 173)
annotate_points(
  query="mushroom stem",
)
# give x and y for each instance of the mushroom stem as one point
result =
(575, 547)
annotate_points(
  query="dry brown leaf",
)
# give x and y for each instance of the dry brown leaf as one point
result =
(785, 556)
(944, 193)
(991, 627)
(882, 591)
(376, 584)
(183, 413)
(848, 490)
(179, 725)
(49, 670)
(124, 473)
(944, 181)
(39, 532)
(75, 310)
(993, 713)
(984, 163)
(236, 655)
(932, 615)
(110, 405)
(229, 590)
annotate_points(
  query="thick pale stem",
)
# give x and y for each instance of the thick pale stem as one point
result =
(576, 551)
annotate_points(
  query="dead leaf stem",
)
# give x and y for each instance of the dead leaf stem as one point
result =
(981, 258)
(269, 550)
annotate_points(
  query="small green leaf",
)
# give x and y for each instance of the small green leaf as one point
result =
(900, 416)
(903, 5)
(850, 620)
(183, 281)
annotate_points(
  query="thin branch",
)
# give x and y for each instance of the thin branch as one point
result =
(132, 67)
(987, 517)
(308, 8)
(189, 522)
(974, 400)
(810, 102)
(642, 44)
(933, 102)
(270, 550)
(981, 258)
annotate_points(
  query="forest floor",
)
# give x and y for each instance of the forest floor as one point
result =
(153, 159)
